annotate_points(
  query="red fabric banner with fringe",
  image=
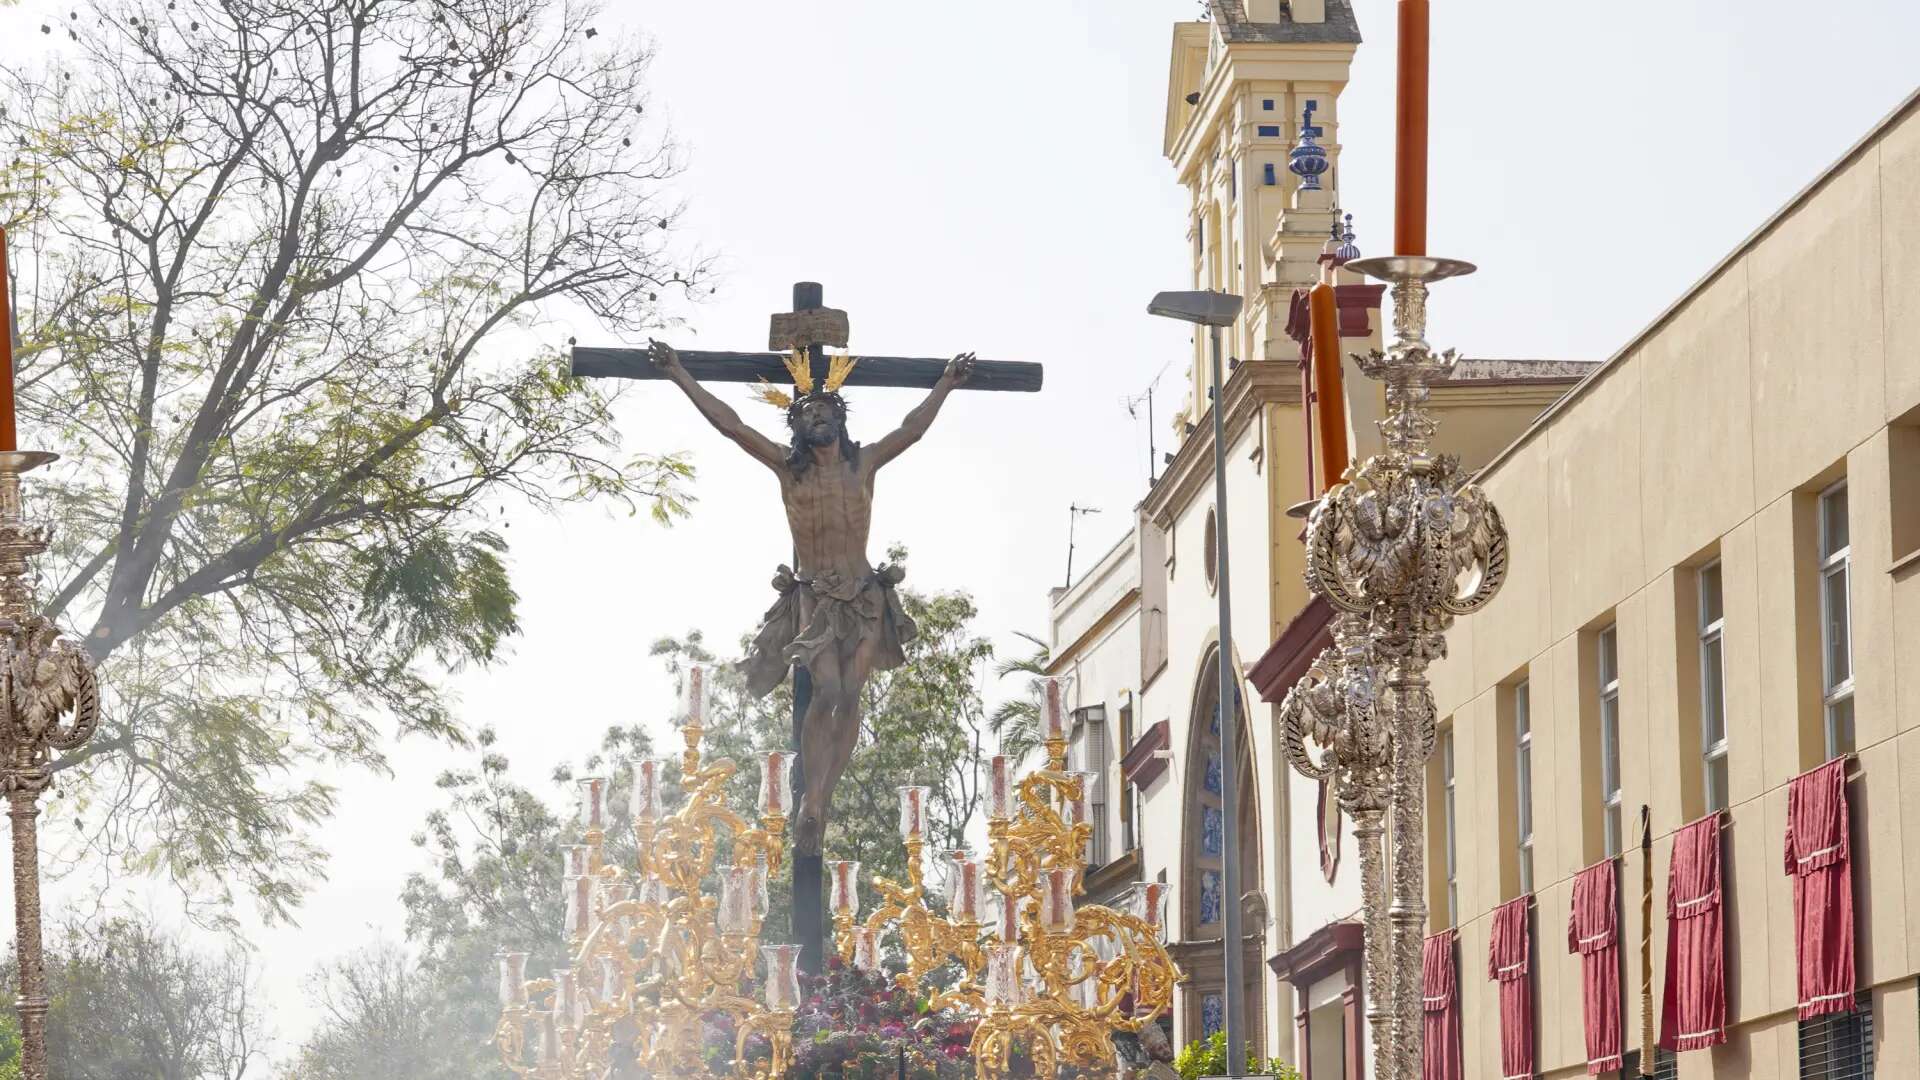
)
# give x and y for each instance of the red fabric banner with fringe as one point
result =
(1509, 960)
(1693, 1011)
(1593, 931)
(1820, 861)
(1440, 1001)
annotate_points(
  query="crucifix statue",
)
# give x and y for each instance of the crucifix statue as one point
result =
(837, 619)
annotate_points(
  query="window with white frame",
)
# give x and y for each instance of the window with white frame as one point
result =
(1609, 647)
(1090, 750)
(1523, 779)
(1453, 849)
(1713, 687)
(1836, 619)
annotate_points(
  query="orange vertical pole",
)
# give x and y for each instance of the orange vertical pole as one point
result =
(1410, 133)
(8, 439)
(1330, 414)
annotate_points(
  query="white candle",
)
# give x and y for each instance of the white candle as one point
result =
(609, 980)
(566, 997)
(548, 1041)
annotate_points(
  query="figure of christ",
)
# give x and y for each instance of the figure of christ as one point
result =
(836, 616)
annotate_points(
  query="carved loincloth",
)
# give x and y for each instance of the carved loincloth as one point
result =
(841, 614)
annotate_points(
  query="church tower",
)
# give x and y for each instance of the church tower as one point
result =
(1242, 84)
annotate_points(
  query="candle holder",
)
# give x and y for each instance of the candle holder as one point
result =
(1033, 968)
(1388, 548)
(652, 953)
(51, 703)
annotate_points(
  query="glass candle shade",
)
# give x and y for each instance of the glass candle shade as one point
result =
(966, 888)
(1056, 900)
(866, 949)
(738, 899)
(913, 812)
(843, 887)
(776, 784)
(1148, 903)
(1006, 918)
(1053, 706)
(653, 892)
(1084, 978)
(1000, 788)
(609, 990)
(593, 803)
(644, 800)
(566, 997)
(1077, 809)
(783, 976)
(574, 860)
(611, 893)
(762, 889)
(1005, 987)
(693, 697)
(546, 1037)
(579, 899)
(513, 980)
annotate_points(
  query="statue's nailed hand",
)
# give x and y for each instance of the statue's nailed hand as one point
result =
(959, 370)
(661, 355)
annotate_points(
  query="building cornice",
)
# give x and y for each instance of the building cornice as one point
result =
(1120, 609)
(1251, 386)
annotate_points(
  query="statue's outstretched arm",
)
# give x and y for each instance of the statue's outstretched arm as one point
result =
(717, 412)
(959, 369)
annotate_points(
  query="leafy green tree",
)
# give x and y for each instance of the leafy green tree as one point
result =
(1208, 1057)
(130, 1001)
(286, 272)
(383, 1016)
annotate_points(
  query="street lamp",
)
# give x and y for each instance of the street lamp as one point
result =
(1214, 310)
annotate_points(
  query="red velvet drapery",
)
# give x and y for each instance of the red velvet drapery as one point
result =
(1440, 1000)
(1820, 861)
(1693, 1011)
(1593, 931)
(1509, 960)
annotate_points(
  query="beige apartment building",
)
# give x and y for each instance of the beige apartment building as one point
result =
(1715, 588)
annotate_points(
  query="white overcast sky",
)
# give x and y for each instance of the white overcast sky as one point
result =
(987, 176)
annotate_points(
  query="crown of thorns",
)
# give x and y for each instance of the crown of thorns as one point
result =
(838, 368)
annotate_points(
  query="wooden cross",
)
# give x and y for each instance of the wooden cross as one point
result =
(810, 328)
(813, 328)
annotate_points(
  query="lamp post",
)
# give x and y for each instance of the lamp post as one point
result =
(1215, 310)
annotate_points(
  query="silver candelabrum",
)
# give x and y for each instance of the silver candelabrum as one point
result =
(49, 700)
(1400, 548)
